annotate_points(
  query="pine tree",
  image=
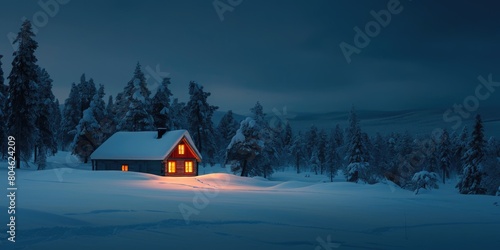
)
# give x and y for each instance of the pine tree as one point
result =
(470, 181)
(244, 147)
(70, 117)
(135, 101)
(178, 114)
(332, 157)
(491, 166)
(357, 167)
(321, 149)
(200, 121)
(311, 143)
(460, 149)
(89, 133)
(3, 113)
(23, 94)
(444, 155)
(109, 125)
(297, 150)
(269, 155)
(45, 112)
(56, 122)
(87, 91)
(161, 106)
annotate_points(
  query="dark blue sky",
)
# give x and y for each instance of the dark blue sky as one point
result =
(281, 53)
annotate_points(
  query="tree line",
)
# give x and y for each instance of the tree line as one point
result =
(251, 147)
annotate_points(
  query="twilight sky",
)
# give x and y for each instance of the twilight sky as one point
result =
(281, 53)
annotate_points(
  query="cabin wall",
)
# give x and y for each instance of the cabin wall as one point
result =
(152, 167)
(180, 167)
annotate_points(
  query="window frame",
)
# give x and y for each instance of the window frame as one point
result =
(188, 167)
(171, 167)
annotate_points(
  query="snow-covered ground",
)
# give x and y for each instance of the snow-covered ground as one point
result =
(71, 207)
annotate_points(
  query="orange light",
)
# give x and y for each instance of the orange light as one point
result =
(124, 167)
(181, 149)
(171, 166)
(188, 166)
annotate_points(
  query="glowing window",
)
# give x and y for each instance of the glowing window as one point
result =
(181, 149)
(171, 166)
(188, 166)
(125, 167)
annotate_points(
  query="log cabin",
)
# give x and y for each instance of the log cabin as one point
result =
(161, 152)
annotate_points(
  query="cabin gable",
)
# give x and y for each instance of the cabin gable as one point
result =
(182, 161)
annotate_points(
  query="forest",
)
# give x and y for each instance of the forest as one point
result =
(253, 146)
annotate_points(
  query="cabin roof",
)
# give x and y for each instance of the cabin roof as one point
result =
(142, 145)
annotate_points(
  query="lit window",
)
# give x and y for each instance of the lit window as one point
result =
(188, 166)
(181, 149)
(125, 167)
(171, 166)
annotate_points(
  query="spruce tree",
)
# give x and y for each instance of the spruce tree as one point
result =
(297, 151)
(45, 137)
(23, 94)
(178, 114)
(135, 104)
(89, 132)
(358, 164)
(244, 147)
(70, 117)
(444, 155)
(161, 106)
(470, 180)
(200, 121)
(3, 113)
(87, 91)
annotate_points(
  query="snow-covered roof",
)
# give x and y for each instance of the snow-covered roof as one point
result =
(142, 145)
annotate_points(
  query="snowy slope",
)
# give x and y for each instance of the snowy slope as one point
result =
(74, 208)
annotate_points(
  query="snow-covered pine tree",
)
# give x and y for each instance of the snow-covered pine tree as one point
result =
(56, 122)
(178, 114)
(339, 136)
(23, 94)
(297, 150)
(263, 163)
(87, 91)
(470, 180)
(45, 141)
(425, 180)
(89, 133)
(110, 119)
(491, 166)
(226, 129)
(357, 168)
(70, 117)
(444, 155)
(200, 121)
(379, 156)
(244, 147)
(136, 97)
(311, 143)
(333, 160)
(321, 149)
(161, 106)
(3, 113)
(460, 148)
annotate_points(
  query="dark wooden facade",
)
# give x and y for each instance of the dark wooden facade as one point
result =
(181, 161)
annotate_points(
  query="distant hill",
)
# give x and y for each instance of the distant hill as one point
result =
(414, 121)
